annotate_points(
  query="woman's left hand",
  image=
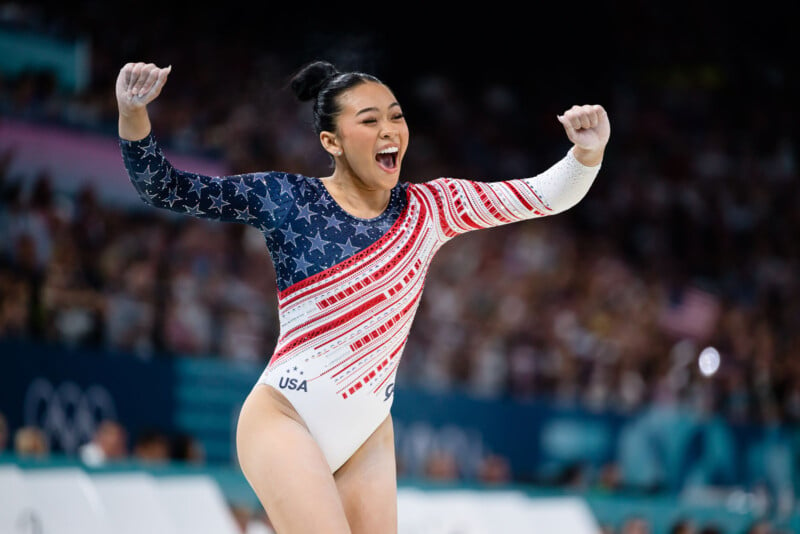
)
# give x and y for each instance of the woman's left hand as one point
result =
(588, 128)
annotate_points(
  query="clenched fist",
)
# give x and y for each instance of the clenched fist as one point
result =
(589, 129)
(138, 84)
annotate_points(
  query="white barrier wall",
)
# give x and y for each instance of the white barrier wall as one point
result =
(133, 503)
(70, 501)
(480, 512)
(65, 501)
(196, 505)
(16, 506)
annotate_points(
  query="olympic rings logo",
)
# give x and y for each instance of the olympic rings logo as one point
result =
(67, 414)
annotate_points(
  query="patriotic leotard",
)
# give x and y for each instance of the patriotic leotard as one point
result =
(348, 288)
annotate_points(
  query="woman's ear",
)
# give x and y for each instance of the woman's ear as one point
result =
(330, 143)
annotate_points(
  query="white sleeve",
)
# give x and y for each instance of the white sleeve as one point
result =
(466, 205)
(564, 184)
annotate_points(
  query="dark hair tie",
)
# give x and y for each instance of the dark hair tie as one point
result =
(308, 83)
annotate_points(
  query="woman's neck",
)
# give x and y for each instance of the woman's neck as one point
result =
(355, 197)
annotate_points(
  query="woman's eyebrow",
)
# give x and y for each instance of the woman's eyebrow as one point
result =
(365, 110)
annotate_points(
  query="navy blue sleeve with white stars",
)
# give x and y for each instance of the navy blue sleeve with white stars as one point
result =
(305, 230)
(246, 198)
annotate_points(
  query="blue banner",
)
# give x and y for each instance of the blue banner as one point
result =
(67, 392)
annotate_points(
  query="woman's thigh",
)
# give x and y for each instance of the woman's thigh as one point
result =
(286, 468)
(367, 484)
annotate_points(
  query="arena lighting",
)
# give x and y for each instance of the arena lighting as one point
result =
(708, 361)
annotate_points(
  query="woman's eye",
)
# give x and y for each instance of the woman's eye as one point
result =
(396, 117)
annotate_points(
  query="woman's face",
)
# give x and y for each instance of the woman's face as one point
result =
(372, 135)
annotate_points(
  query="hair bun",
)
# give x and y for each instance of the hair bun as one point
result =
(310, 80)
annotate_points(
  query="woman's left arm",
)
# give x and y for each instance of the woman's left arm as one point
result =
(465, 205)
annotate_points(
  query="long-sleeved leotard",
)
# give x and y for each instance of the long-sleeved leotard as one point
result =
(348, 288)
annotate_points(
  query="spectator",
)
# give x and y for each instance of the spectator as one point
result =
(441, 466)
(759, 527)
(635, 525)
(609, 479)
(152, 446)
(30, 442)
(108, 444)
(494, 469)
(185, 448)
(683, 526)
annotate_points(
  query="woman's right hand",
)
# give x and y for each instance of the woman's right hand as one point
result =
(138, 84)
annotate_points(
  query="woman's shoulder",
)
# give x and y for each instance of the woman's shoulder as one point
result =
(431, 185)
(287, 183)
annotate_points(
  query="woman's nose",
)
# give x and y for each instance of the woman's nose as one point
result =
(388, 131)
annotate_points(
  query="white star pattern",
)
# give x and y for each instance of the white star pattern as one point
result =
(332, 222)
(172, 198)
(317, 243)
(149, 149)
(147, 175)
(267, 203)
(360, 228)
(241, 188)
(304, 213)
(255, 220)
(286, 187)
(193, 209)
(242, 215)
(290, 236)
(301, 264)
(348, 249)
(196, 187)
(217, 202)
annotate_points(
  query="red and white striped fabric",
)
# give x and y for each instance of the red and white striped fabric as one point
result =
(343, 330)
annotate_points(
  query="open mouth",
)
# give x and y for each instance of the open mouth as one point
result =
(387, 159)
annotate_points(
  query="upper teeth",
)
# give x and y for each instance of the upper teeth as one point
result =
(390, 150)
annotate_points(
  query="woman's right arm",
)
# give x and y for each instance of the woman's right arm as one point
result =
(247, 198)
(138, 84)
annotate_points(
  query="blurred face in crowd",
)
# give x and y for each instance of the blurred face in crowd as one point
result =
(372, 135)
(762, 527)
(152, 447)
(636, 526)
(683, 527)
(30, 441)
(112, 438)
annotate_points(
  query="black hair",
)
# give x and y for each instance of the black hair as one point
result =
(322, 82)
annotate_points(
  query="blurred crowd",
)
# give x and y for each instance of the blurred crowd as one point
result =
(111, 443)
(687, 240)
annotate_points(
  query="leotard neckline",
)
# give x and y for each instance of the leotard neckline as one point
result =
(393, 198)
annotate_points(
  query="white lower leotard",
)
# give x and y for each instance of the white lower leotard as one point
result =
(348, 288)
